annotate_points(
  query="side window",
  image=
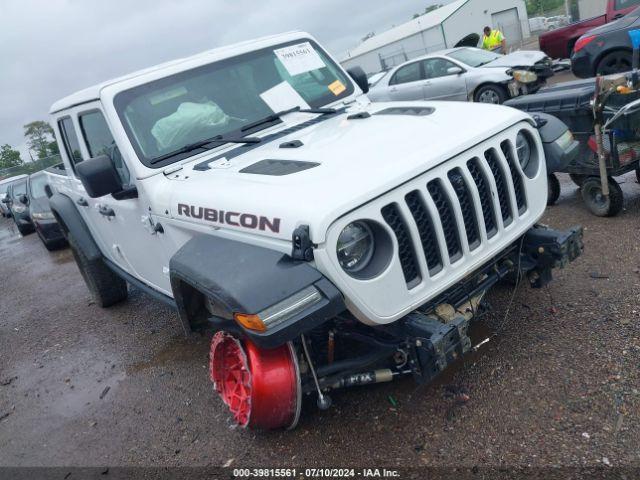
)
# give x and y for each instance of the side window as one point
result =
(622, 4)
(437, 67)
(408, 73)
(99, 141)
(70, 140)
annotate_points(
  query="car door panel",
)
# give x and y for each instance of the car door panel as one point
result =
(134, 245)
(441, 85)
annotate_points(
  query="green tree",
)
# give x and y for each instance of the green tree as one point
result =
(535, 7)
(9, 157)
(53, 148)
(39, 135)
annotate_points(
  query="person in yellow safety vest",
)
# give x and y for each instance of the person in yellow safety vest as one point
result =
(493, 40)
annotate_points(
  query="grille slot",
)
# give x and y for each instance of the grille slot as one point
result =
(393, 217)
(447, 218)
(501, 184)
(518, 186)
(461, 188)
(484, 191)
(426, 230)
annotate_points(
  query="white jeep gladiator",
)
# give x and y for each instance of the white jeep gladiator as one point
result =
(325, 240)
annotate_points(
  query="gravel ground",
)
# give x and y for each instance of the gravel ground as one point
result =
(558, 384)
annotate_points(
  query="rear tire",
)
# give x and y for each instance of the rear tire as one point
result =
(553, 189)
(597, 203)
(615, 62)
(492, 94)
(105, 286)
(638, 174)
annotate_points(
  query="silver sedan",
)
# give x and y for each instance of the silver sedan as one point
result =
(465, 74)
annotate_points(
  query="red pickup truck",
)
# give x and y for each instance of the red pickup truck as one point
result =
(559, 43)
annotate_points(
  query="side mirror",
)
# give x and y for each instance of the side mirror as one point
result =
(455, 70)
(358, 76)
(23, 199)
(47, 191)
(99, 176)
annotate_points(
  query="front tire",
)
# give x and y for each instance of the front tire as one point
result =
(493, 94)
(553, 189)
(597, 203)
(105, 286)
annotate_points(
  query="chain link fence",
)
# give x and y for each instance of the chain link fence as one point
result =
(30, 167)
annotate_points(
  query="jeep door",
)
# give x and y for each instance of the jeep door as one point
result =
(407, 83)
(122, 226)
(440, 84)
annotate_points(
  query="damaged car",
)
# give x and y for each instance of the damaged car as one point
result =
(321, 240)
(465, 74)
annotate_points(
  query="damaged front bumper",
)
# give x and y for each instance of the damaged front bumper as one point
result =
(438, 332)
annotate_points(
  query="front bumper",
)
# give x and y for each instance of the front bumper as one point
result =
(22, 219)
(49, 230)
(437, 342)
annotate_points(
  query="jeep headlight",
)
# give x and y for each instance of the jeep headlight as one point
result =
(355, 247)
(42, 216)
(524, 76)
(524, 150)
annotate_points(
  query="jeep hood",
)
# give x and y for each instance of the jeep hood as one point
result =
(355, 161)
(521, 58)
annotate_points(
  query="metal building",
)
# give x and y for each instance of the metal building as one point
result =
(591, 8)
(459, 22)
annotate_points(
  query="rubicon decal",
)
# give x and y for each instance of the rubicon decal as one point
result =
(235, 219)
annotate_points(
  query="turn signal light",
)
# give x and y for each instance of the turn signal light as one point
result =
(250, 322)
(583, 42)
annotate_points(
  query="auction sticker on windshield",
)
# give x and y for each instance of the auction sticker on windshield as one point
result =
(299, 58)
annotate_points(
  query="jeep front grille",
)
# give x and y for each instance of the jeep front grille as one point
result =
(462, 205)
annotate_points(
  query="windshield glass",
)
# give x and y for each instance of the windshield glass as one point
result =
(164, 116)
(36, 186)
(474, 57)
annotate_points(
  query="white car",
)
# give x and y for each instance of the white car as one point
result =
(465, 74)
(325, 240)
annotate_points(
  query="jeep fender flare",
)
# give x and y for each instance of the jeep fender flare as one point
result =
(72, 222)
(237, 277)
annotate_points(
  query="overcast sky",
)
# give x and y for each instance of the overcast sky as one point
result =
(51, 48)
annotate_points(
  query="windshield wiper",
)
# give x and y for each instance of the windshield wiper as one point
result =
(209, 143)
(276, 116)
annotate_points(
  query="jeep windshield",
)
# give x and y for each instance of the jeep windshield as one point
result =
(163, 117)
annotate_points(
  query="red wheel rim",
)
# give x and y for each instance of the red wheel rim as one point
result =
(260, 387)
(229, 372)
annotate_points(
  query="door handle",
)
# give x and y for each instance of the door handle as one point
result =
(82, 202)
(106, 211)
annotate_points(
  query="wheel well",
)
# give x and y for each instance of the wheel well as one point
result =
(487, 84)
(570, 45)
(596, 63)
(191, 306)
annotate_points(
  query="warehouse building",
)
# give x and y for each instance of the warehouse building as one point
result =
(455, 24)
(591, 8)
